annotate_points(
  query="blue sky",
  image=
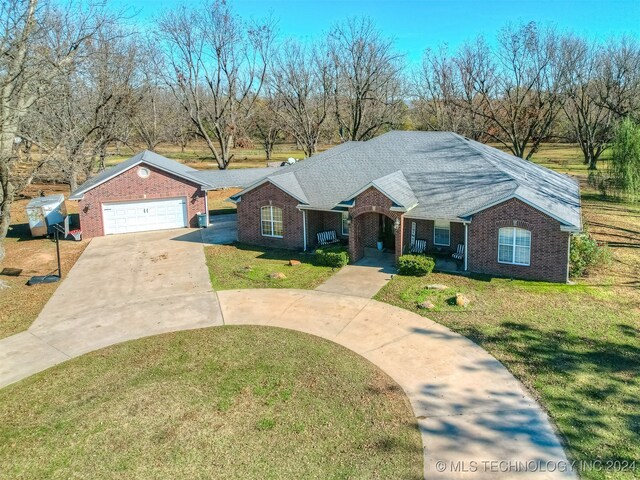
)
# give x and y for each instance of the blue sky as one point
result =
(418, 24)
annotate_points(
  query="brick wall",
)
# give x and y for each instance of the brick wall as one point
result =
(249, 229)
(321, 221)
(424, 231)
(364, 224)
(549, 261)
(129, 186)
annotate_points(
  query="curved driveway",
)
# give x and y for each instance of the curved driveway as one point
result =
(472, 413)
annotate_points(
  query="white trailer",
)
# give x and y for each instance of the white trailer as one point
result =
(43, 212)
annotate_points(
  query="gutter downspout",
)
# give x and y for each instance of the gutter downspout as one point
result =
(304, 229)
(466, 248)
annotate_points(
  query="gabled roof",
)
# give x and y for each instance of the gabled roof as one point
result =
(448, 176)
(207, 179)
(394, 186)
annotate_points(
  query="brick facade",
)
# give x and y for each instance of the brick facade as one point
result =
(249, 228)
(321, 221)
(129, 186)
(549, 245)
(365, 222)
(549, 261)
(424, 231)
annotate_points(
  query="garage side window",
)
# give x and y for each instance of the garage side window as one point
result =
(271, 221)
(514, 246)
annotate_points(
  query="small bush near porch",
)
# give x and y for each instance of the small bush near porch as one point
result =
(415, 265)
(332, 256)
(241, 266)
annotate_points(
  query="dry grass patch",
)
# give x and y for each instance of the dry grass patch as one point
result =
(226, 402)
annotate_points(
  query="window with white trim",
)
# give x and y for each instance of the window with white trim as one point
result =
(345, 224)
(271, 221)
(514, 246)
(441, 233)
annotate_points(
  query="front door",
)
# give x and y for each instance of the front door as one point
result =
(387, 234)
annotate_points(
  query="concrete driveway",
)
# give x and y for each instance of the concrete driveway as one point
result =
(469, 408)
(122, 287)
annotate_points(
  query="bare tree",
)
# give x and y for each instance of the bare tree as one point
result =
(438, 93)
(90, 107)
(517, 89)
(38, 44)
(266, 125)
(591, 121)
(301, 81)
(215, 65)
(368, 79)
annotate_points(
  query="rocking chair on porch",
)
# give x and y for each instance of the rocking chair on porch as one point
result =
(459, 255)
(418, 246)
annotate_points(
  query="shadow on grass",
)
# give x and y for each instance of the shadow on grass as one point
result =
(589, 384)
(266, 253)
(22, 233)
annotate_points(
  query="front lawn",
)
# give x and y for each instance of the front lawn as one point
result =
(225, 402)
(576, 347)
(241, 266)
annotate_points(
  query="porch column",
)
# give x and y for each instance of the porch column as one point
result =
(400, 238)
(466, 246)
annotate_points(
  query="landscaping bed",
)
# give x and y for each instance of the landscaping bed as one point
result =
(225, 402)
(241, 266)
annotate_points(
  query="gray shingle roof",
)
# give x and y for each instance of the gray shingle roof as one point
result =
(207, 179)
(237, 177)
(449, 176)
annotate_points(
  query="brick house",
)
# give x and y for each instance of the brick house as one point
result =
(509, 216)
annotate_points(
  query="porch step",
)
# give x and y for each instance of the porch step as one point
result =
(375, 253)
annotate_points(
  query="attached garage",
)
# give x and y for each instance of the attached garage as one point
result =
(150, 192)
(144, 215)
(147, 192)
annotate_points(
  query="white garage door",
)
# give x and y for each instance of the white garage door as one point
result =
(144, 215)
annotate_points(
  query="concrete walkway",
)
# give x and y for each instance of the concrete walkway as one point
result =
(222, 229)
(468, 406)
(361, 279)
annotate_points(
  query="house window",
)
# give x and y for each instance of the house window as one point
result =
(441, 233)
(345, 223)
(271, 221)
(514, 246)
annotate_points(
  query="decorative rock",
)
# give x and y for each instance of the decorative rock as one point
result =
(427, 305)
(461, 300)
(436, 286)
(278, 276)
(294, 263)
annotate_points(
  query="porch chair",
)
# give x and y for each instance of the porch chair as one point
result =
(418, 246)
(327, 238)
(459, 255)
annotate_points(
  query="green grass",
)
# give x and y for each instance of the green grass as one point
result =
(576, 347)
(225, 402)
(241, 266)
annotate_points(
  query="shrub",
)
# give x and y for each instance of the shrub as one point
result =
(415, 265)
(586, 254)
(336, 257)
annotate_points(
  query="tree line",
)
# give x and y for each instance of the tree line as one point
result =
(75, 81)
